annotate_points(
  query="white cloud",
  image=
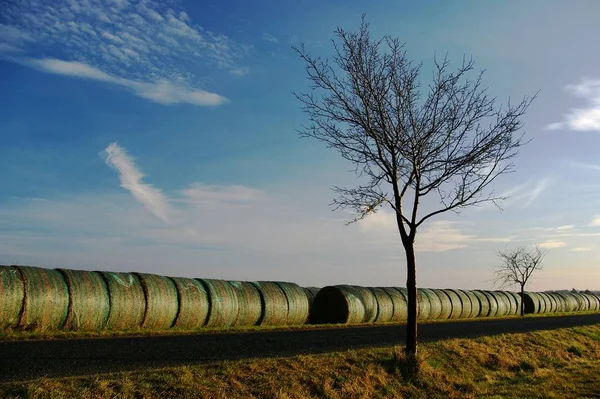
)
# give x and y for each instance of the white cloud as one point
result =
(270, 38)
(553, 244)
(131, 180)
(582, 119)
(162, 91)
(441, 236)
(581, 249)
(526, 194)
(152, 47)
(595, 221)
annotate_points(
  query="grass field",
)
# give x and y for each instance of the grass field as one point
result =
(562, 363)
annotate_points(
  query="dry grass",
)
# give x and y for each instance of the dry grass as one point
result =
(551, 364)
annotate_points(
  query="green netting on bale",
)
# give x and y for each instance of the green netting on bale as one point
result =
(455, 302)
(249, 303)
(385, 305)
(297, 303)
(127, 300)
(439, 304)
(46, 303)
(274, 303)
(89, 302)
(465, 303)
(584, 302)
(337, 304)
(12, 295)
(561, 304)
(484, 303)
(547, 304)
(368, 299)
(162, 303)
(513, 298)
(531, 301)
(594, 302)
(571, 303)
(543, 303)
(311, 293)
(399, 303)
(503, 303)
(193, 303)
(492, 301)
(553, 305)
(475, 305)
(223, 303)
(423, 304)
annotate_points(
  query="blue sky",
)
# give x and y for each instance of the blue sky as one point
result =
(161, 137)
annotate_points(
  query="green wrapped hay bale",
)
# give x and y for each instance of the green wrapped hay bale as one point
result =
(594, 302)
(531, 302)
(339, 304)
(89, 301)
(484, 303)
(127, 300)
(503, 303)
(311, 293)
(465, 303)
(514, 302)
(223, 303)
(475, 305)
(274, 303)
(249, 303)
(423, 304)
(368, 299)
(439, 304)
(584, 302)
(297, 303)
(546, 302)
(12, 296)
(46, 303)
(193, 303)
(492, 301)
(385, 305)
(572, 303)
(561, 304)
(399, 303)
(551, 304)
(162, 304)
(455, 302)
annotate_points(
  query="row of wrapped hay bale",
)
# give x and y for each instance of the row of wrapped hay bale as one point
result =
(353, 304)
(38, 298)
(551, 302)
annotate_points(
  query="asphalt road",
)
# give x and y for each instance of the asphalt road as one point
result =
(25, 360)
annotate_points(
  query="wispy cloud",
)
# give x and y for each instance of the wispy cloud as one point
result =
(131, 179)
(595, 221)
(153, 48)
(581, 249)
(552, 244)
(586, 118)
(526, 194)
(270, 38)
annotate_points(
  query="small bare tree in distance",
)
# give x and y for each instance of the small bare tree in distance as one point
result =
(406, 143)
(518, 264)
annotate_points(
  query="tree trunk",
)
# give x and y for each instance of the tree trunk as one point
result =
(522, 301)
(411, 287)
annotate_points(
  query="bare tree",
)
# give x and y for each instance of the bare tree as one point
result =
(518, 264)
(451, 144)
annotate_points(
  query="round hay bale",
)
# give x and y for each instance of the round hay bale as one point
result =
(561, 304)
(455, 303)
(475, 305)
(584, 303)
(274, 303)
(89, 301)
(127, 300)
(547, 303)
(193, 303)
(46, 303)
(465, 303)
(438, 303)
(12, 296)
(492, 301)
(368, 299)
(543, 303)
(423, 304)
(339, 304)
(550, 299)
(514, 301)
(385, 305)
(311, 293)
(162, 304)
(484, 303)
(531, 302)
(399, 303)
(223, 303)
(297, 303)
(570, 304)
(249, 303)
(503, 303)
(594, 301)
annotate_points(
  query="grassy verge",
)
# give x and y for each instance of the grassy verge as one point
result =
(20, 335)
(550, 364)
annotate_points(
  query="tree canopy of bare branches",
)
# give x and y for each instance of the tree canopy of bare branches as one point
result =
(448, 140)
(517, 266)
